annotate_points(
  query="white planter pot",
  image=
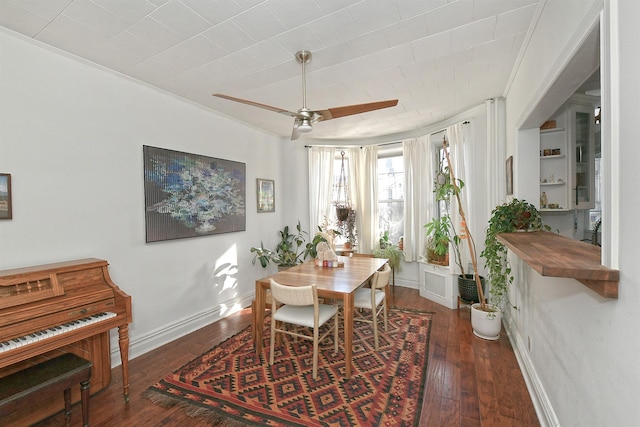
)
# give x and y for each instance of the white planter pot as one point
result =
(486, 325)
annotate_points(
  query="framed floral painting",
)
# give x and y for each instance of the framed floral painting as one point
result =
(266, 193)
(190, 195)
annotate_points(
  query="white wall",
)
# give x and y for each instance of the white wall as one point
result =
(71, 135)
(580, 350)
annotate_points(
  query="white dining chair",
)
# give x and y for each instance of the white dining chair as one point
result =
(298, 305)
(373, 299)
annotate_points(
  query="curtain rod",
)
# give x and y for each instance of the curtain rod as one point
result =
(466, 122)
(353, 146)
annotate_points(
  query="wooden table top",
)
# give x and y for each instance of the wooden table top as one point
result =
(344, 279)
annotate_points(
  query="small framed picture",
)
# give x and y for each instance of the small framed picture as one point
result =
(509, 174)
(266, 193)
(5, 196)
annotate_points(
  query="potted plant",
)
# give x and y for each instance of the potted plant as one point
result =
(445, 186)
(347, 229)
(386, 249)
(342, 211)
(482, 314)
(290, 251)
(343, 206)
(438, 231)
(515, 215)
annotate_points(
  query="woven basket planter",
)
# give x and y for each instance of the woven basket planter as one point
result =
(467, 288)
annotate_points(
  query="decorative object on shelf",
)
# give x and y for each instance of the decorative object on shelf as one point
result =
(343, 206)
(290, 252)
(547, 151)
(549, 124)
(555, 151)
(189, 195)
(5, 196)
(266, 193)
(543, 200)
(510, 175)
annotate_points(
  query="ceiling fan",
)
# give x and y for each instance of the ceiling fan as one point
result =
(304, 118)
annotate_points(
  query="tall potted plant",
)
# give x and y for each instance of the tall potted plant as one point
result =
(486, 319)
(445, 186)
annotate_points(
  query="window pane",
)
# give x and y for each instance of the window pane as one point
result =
(391, 196)
(441, 159)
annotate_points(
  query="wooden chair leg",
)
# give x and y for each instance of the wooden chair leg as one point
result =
(375, 327)
(272, 339)
(384, 310)
(315, 353)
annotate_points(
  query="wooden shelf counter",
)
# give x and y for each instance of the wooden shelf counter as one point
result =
(554, 255)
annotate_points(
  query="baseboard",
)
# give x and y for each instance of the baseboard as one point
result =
(411, 284)
(173, 331)
(546, 415)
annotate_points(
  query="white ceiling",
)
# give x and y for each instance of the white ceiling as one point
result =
(438, 57)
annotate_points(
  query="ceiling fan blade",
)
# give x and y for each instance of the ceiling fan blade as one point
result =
(257, 104)
(334, 113)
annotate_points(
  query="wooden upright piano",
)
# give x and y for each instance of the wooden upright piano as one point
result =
(66, 307)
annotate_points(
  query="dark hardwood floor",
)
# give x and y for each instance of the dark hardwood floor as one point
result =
(471, 382)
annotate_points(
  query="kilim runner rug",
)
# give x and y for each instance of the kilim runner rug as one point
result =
(232, 386)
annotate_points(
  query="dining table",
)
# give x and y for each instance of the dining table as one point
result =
(336, 283)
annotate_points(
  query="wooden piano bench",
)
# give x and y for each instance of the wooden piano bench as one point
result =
(23, 389)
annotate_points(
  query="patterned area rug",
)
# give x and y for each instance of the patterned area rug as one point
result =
(230, 385)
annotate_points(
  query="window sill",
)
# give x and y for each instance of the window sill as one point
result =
(553, 255)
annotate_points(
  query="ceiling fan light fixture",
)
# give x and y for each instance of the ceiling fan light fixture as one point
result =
(304, 126)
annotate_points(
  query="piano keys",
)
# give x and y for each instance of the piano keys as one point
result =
(53, 331)
(67, 306)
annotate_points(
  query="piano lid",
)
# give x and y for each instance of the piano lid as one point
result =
(29, 284)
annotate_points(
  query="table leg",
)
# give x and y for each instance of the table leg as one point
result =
(258, 315)
(348, 330)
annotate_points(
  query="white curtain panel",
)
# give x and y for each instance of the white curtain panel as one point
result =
(363, 167)
(496, 151)
(321, 160)
(459, 150)
(419, 206)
